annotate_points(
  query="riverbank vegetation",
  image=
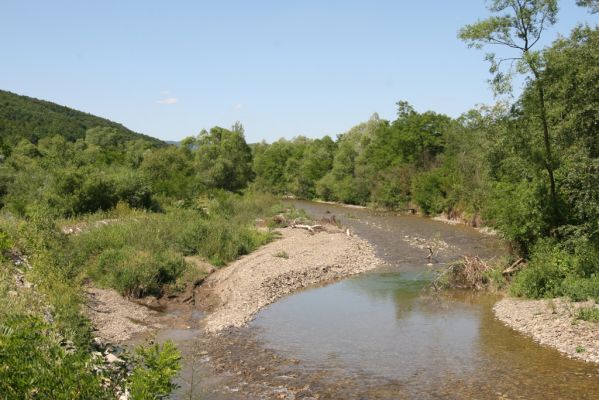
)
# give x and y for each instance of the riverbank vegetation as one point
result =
(85, 201)
(527, 167)
(104, 206)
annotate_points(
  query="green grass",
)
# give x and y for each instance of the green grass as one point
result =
(590, 314)
(138, 253)
(141, 253)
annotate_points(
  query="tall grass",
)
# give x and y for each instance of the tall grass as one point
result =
(141, 253)
(45, 349)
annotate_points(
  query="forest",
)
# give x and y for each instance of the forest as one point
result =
(492, 165)
(527, 166)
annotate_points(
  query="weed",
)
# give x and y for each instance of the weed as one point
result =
(552, 306)
(590, 314)
(282, 254)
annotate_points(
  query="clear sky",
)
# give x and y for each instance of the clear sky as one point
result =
(282, 68)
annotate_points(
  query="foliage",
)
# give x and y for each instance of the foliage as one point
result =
(517, 25)
(5, 243)
(556, 270)
(143, 252)
(23, 117)
(222, 158)
(131, 204)
(529, 169)
(156, 367)
(545, 272)
(590, 314)
(138, 207)
(428, 193)
(593, 5)
(34, 363)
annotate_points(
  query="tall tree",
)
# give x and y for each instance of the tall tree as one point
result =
(592, 5)
(519, 25)
(223, 158)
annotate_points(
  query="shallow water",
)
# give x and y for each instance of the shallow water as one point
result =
(382, 325)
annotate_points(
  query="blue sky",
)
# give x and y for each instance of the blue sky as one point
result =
(282, 68)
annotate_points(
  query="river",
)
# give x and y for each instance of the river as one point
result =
(381, 335)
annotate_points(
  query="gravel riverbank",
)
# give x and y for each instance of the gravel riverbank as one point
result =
(553, 323)
(233, 295)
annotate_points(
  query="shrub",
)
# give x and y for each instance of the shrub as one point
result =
(580, 289)
(220, 241)
(97, 192)
(519, 212)
(135, 191)
(428, 193)
(138, 273)
(35, 364)
(543, 276)
(156, 367)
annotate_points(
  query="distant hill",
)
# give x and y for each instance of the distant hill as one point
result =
(30, 118)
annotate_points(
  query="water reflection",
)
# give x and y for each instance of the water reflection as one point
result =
(380, 324)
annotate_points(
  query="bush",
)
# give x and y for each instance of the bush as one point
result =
(156, 367)
(138, 253)
(137, 273)
(428, 193)
(35, 364)
(520, 212)
(580, 289)
(220, 241)
(545, 273)
(96, 193)
(135, 191)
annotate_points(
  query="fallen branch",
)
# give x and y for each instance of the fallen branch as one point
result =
(468, 273)
(516, 266)
(310, 228)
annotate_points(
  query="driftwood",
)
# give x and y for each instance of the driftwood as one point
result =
(469, 273)
(309, 228)
(516, 266)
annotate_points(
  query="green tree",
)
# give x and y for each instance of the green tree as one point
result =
(518, 25)
(223, 158)
(592, 5)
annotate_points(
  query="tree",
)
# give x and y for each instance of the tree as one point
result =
(518, 25)
(223, 158)
(592, 5)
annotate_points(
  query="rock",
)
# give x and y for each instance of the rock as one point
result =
(111, 358)
(98, 343)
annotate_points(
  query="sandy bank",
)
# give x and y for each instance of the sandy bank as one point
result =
(553, 323)
(234, 294)
(116, 319)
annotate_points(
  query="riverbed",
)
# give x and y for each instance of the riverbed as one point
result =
(382, 335)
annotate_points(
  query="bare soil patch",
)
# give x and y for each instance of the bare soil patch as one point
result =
(115, 318)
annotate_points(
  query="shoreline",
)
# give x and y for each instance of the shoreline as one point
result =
(443, 217)
(232, 296)
(553, 323)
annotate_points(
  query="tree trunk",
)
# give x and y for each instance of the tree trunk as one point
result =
(548, 151)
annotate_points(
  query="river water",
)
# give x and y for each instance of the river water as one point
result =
(383, 325)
